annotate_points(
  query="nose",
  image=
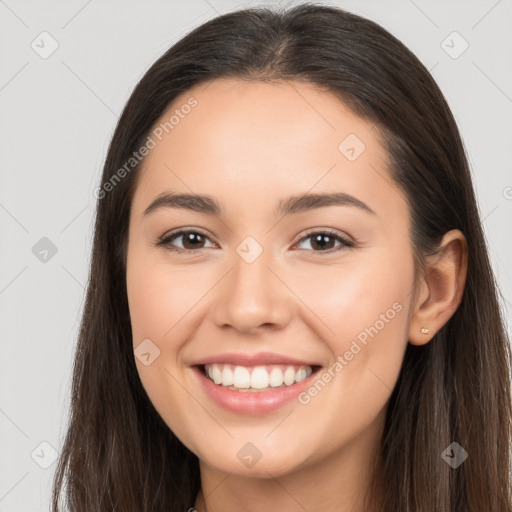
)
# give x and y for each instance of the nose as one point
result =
(253, 296)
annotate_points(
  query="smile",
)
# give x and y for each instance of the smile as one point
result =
(253, 390)
(256, 378)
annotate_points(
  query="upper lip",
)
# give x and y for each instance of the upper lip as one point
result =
(259, 359)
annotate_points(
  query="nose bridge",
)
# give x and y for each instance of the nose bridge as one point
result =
(252, 294)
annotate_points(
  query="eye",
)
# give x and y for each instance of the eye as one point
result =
(192, 238)
(195, 239)
(324, 240)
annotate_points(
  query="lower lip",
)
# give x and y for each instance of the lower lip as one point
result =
(252, 403)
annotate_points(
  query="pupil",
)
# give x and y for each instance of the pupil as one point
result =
(320, 240)
(190, 238)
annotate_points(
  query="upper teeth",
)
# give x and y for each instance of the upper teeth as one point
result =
(256, 377)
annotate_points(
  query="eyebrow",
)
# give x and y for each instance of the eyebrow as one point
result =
(290, 206)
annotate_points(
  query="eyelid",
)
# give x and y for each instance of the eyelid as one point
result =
(328, 231)
(346, 243)
(164, 240)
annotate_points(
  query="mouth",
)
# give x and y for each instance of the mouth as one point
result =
(256, 379)
(253, 384)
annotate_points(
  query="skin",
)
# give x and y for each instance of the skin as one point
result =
(251, 145)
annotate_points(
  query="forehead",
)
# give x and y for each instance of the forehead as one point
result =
(249, 141)
(239, 116)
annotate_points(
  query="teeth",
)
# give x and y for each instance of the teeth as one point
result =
(247, 378)
(289, 376)
(259, 378)
(241, 377)
(217, 375)
(276, 378)
(227, 376)
(301, 374)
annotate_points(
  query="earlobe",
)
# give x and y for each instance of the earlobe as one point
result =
(441, 289)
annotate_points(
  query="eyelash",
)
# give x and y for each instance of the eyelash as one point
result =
(166, 240)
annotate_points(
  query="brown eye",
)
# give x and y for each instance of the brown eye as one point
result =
(324, 241)
(192, 241)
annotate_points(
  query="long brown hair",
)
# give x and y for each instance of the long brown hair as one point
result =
(119, 454)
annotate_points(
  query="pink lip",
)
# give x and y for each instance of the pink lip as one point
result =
(259, 359)
(251, 403)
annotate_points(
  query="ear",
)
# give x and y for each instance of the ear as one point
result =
(440, 291)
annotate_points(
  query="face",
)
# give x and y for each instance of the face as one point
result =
(256, 285)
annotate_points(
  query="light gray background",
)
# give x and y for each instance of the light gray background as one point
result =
(57, 116)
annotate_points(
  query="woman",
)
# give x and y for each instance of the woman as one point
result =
(290, 301)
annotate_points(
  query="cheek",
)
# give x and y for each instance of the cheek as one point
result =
(160, 300)
(367, 309)
(159, 297)
(361, 308)
(148, 303)
(351, 296)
